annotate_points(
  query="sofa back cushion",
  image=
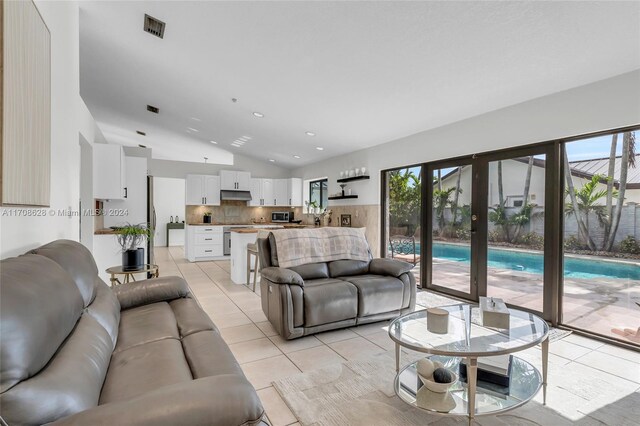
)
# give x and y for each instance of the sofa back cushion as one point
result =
(78, 261)
(345, 268)
(39, 307)
(312, 271)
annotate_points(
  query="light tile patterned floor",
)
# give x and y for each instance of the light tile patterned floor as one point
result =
(585, 376)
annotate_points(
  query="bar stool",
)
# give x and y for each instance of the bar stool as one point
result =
(252, 250)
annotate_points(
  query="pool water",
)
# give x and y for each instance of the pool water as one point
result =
(534, 263)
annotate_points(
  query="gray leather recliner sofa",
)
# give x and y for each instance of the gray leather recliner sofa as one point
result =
(317, 297)
(74, 352)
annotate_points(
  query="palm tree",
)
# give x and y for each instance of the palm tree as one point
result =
(456, 196)
(582, 229)
(441, 201)
(628, 160)
(610, 180)
(525, 200)
(588, 198)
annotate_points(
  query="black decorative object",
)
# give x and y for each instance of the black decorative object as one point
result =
(351, 179)
(133, 259)
(345, 220)
(207, 218)
(442, 375)
(342, 197)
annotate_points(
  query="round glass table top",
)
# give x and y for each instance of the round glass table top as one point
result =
(120, 269)
(466, 336)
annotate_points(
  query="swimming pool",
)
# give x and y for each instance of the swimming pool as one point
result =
(533, 263)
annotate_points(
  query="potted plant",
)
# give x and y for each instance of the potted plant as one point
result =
(130, 237)
(207, 217)
(312, 207)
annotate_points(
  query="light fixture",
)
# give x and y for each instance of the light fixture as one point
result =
(310, 134)
(258, 114)
(319, 148)
(214, 142)
(296, 156)
(272, 160)
(195, 119)
(192, 129)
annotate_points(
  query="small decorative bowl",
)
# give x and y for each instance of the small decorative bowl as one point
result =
(438, 387)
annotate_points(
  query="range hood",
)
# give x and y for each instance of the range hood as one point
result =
(227, 195)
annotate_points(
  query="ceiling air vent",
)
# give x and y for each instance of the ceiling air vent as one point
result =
(141, 133)
(152, 109)
(154, 26)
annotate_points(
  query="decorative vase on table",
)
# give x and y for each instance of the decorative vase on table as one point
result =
(133, 260)
(207, 218)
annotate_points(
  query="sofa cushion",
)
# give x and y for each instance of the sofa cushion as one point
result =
(106, 310)
(377, 293)
(208, 355)
(329, 300)
(146, 324)
(39, 307)
(145, 368)
(190, 318)
(273, 250)
(68, 384)
(342, 268)
(78, 261)
(312, 271)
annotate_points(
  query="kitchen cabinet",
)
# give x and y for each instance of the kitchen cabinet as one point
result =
(231, 180)
(204, 242)
(109, 172)
(262, 192)
(295, 192)
(281, 192)
(202, 190)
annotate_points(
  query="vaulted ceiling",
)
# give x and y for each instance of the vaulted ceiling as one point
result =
(356, 74)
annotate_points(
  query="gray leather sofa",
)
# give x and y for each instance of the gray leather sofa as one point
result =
(74, 352)
(317, 297)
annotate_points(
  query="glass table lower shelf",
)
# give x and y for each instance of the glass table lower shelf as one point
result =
(525, 382)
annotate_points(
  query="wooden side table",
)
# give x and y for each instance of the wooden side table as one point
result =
(173, 225)
(130, 275)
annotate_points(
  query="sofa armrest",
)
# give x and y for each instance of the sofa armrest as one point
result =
(391, 267)
(151, 291)
(282, 276)
(226, 400)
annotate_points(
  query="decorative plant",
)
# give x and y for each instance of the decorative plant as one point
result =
(131, 236)
(311, 206)
(207, 214)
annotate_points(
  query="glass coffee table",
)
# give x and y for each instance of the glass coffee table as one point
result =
(468, 339)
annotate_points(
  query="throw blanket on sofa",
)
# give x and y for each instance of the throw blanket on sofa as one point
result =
(301, 246)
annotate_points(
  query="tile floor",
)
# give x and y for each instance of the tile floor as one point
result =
(586, 378)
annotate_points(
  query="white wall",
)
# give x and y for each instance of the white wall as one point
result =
(603, 105)
(168, 199)
(22, 233)
(179, 169)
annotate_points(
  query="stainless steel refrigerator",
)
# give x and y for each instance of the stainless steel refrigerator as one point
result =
(151, 220)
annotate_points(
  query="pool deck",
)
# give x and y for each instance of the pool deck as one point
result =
(597, 305)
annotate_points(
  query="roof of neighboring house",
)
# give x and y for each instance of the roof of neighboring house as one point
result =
(600, 166)
(587, 168)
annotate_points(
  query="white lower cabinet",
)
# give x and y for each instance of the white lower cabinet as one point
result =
(204, 242)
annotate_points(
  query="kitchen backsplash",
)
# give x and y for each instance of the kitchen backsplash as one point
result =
(236, 212)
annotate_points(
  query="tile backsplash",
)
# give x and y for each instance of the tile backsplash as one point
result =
(236, 212)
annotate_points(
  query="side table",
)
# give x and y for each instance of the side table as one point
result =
(130, 275)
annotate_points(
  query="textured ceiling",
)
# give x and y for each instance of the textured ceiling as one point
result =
(357, 74)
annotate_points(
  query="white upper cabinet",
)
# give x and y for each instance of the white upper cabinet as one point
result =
(295, 192)
(281, 192)
(256, 192)
(202, 190)
(268, 198)
(231, 180)
(109, 182)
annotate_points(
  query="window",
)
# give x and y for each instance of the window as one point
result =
(319, 193)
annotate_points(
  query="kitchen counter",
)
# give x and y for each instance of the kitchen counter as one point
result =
(254, 230)
(104, 231)
(285, 225)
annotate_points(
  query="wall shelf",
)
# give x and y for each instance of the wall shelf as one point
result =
(354, 178)
(343, 197)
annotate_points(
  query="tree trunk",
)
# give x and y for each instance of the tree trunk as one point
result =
(454, 206)
(627, 144)
(525, 197)
(610, 177)
(505, 226)
(582, 229)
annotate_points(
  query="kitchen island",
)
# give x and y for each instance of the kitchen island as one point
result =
(240, 238)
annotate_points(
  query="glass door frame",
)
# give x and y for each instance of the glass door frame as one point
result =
(553, 219)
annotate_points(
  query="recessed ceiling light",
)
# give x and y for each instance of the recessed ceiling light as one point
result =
(192, 129)
(247, 137)
(258, 114)
(319, 148)
(214, 142)
(195, 119)
(296, 156)
(272, 160)
(310, 134)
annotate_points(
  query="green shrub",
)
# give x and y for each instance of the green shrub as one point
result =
(532, 240)
(572, 242)
(629, 245)
(463, 234)
(495, 236)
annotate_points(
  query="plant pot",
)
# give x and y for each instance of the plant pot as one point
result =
(133, 259)
(207, 219)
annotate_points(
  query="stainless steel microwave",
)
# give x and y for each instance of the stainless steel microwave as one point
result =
(281, 217)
